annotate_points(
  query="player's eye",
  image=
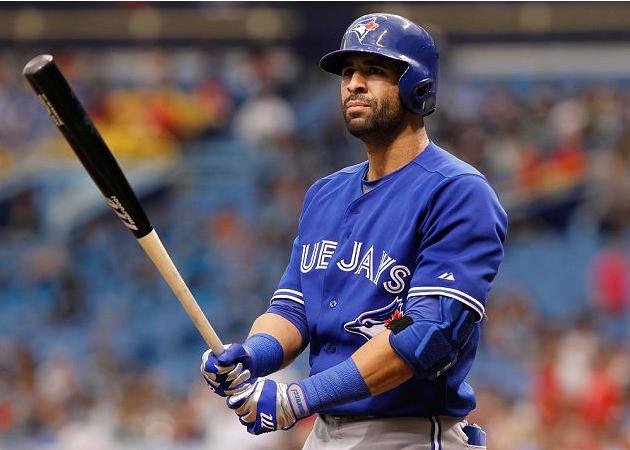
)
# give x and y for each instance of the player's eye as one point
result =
(375, 70)
(347, 72)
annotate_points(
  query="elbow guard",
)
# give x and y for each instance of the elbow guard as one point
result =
(431, 334)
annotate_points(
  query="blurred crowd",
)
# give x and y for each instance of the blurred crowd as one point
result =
(95, 351)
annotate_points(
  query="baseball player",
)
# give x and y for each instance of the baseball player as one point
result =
(389, 273)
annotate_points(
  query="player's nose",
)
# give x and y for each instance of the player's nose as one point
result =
(357, 83)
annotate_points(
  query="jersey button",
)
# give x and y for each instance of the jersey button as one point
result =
(332, 303)
(330, 348)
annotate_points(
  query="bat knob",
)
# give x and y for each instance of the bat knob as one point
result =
(36, 64)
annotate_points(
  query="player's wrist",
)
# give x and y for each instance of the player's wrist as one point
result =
(265, 352)
(298, 401)
(339, 384)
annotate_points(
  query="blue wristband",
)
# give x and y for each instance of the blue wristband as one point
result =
(266, 353)
(339, 384)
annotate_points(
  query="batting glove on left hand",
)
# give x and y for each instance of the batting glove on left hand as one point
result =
(268, 406)
(229, 373)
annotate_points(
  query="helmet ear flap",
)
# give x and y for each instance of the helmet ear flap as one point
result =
(418, 97)
(422, 89)
(425, 96)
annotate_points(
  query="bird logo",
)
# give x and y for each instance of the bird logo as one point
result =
(363, 27)
(370, 323)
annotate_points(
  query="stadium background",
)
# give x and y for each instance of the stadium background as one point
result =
(221, 119)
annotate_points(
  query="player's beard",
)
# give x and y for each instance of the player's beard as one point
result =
(382, 125)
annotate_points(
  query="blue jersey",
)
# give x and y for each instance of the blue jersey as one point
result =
(432, 228)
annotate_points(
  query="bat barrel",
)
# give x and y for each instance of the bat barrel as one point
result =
(66, 111)
(36, 64)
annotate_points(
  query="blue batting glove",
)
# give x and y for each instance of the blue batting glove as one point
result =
(231, 372)
(267, 406)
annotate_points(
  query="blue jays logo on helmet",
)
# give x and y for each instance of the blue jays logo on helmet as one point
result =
(363, 27)
(371, 323)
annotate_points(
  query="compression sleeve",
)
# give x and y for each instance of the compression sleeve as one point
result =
(339, 384)
(266, 352)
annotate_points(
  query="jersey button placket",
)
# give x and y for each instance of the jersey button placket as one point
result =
(348, 222)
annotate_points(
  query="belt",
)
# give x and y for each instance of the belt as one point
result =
(330, 419)
(345, 418)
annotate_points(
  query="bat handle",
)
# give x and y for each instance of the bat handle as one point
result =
(154, 248)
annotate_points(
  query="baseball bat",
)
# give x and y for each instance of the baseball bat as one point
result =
(75, 124)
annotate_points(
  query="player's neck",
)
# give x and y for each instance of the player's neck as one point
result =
(387, 157)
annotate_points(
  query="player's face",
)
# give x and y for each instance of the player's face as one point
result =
(370, 101)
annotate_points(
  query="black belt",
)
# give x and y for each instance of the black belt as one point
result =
(339, 419)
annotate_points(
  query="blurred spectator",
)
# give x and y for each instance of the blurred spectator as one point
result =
(610, 279)
(265, 120)
(613, 195)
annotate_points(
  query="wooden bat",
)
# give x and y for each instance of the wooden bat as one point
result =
(75, 124)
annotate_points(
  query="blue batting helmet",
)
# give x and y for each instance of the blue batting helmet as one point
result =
(400, 39)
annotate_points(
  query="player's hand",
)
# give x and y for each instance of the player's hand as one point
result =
(231, 372)
(268, 406)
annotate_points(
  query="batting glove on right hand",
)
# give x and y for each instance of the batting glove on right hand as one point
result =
(231, 372)
(268, 406)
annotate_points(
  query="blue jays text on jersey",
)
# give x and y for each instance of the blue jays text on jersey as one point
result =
(432, 228)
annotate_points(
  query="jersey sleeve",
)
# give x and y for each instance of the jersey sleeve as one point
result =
(289, 287)
(288, 299)
(461, 243)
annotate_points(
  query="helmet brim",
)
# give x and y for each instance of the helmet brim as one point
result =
(333, 62)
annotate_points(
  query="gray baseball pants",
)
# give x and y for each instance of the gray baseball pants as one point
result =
(400, 433)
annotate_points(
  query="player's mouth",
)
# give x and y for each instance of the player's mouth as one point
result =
(356, 108)
(356, 105)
